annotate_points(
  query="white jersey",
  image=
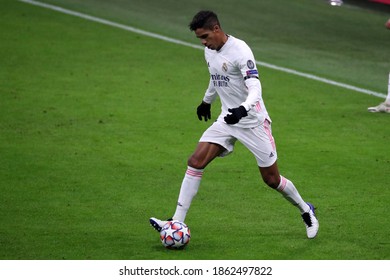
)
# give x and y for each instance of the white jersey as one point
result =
(234, 77)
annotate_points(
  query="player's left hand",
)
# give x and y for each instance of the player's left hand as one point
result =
(236, 115)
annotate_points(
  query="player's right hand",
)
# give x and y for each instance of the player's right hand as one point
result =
(204, 110)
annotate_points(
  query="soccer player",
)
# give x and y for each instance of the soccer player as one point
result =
(235, 79)
(383, 107)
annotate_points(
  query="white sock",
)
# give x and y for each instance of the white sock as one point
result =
(388, 92)
(288, 190)
(189, 188)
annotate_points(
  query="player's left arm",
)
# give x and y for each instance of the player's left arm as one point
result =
(251, 79)
(254, 92)
(250, 75)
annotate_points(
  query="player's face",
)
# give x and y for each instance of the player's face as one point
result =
(210, 37)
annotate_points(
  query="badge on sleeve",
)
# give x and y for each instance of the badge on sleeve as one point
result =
(250, 64)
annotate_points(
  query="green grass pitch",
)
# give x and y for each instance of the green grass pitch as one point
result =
(97, 123)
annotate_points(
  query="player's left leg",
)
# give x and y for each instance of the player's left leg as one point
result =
(273, 179)
(260, 142)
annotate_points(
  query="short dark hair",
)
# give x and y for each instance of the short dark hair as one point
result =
(204, 19)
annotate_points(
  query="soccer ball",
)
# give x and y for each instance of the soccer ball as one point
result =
(175, 234)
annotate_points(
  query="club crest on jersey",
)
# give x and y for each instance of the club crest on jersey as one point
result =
(250, 64)
(224, 67)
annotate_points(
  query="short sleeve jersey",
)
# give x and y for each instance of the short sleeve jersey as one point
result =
(229, 68)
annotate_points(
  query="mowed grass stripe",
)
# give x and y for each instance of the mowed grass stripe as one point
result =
(81, 124)
(175, 41)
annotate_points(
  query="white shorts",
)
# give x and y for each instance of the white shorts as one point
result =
(258, 140)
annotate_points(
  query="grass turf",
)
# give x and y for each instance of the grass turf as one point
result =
(95, 129)
(347, 44)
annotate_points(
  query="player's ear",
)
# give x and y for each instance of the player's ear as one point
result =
(216, 28)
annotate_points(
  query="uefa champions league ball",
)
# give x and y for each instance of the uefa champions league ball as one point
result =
(175, 234)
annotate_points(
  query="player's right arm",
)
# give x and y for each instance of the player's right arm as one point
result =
(211, 93)
(204, 109)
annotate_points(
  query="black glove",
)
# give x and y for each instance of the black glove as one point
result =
(204, 110)
(236, 115)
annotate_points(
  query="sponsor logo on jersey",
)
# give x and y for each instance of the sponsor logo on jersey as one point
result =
(220, 80)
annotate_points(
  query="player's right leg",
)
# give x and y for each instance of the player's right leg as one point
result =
(158, 224)
(203, 155)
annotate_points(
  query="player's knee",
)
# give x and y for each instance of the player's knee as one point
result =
(271, 180)
(195, 162)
